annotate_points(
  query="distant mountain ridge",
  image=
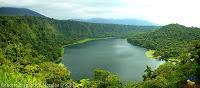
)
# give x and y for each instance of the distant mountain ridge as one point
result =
(12, 11)
(119, 21)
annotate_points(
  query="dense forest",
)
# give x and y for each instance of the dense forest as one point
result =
(31, 47)
(168, 41)
(178, 46)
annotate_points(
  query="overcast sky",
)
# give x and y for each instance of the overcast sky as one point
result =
(186, 12)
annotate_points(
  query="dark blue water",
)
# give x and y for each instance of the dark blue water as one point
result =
(114, 55)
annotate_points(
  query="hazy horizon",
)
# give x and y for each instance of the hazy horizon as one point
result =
(157, 11)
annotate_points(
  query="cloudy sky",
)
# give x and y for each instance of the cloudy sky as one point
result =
(185, 12)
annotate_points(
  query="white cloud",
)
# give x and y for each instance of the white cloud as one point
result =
(159, 11)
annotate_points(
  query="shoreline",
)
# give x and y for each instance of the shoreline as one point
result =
(80, 42)
(86, 40)
(149, 54)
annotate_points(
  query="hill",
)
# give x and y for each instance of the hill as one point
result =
(178, 46)
(119, 21)
(11, 11)
(168, 41)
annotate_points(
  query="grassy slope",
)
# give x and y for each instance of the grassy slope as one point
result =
(86, 40)
(150, 53)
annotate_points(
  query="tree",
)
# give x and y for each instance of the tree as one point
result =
(54, 73)
(106, 79)
(148, 73)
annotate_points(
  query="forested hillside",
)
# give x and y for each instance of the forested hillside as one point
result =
(179, 47)
(75, 29)
(31, 47)
(168, 41)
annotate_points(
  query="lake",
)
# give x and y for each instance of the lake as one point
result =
(114, 55)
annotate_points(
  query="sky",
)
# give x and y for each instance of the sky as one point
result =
(185, 12)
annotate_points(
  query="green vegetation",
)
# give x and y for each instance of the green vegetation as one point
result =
(87, 40)
(178, 46)
(150, 54)
(31, 47)
(168, 41)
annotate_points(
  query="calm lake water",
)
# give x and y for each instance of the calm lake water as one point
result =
(114, 55)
